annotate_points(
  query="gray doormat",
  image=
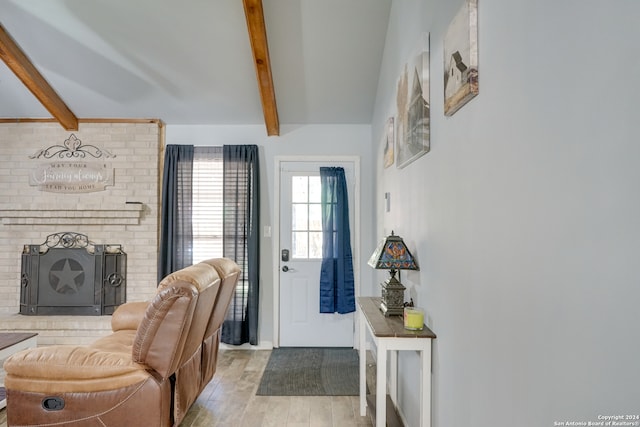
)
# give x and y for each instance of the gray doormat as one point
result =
(310, 372)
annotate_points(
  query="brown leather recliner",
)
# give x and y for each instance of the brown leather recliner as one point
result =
(147, 372)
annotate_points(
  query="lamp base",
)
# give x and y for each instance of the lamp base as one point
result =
(392, 303)
(391, 311)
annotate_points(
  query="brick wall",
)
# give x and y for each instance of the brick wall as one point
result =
(125, 213)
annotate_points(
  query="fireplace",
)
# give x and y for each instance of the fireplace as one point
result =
(70, 275)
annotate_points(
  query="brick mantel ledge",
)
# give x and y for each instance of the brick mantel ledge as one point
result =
(125, 214)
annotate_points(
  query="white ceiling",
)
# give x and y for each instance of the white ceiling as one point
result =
(190, 61)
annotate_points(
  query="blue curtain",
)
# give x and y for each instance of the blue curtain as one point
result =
(241, 219)
(176, 230)
(241, 240)
(337, 293)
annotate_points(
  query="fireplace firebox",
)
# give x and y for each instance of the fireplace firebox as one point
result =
(70, 275)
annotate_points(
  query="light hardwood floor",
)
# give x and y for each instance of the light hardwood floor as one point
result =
(230, 400)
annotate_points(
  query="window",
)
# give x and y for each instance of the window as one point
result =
(207, 203)
(306, 217)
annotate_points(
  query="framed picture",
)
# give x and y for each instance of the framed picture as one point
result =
(461, 58)
(389, 142)
(413, 125)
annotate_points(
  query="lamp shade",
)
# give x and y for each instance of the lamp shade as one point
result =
(393, 254)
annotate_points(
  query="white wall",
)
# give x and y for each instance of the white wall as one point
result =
(311, 140)
(525, 215)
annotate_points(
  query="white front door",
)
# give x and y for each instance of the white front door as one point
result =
(301, 323)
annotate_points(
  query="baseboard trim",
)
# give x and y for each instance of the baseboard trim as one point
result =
(262, 345)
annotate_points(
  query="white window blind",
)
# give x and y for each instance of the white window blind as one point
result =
(207, 205)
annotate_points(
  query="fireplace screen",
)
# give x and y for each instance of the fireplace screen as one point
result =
(68, 274)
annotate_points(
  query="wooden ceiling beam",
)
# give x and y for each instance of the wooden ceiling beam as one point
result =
(19, 63)
(258, 36)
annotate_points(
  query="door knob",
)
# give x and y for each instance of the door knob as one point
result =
(285, 268)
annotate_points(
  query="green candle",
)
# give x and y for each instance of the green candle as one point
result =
(413, 318)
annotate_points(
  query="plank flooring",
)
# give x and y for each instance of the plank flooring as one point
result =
(230, 400)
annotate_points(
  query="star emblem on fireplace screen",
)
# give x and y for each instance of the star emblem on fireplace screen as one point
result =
(66, 275)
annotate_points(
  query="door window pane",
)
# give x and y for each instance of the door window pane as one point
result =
(315, 217)
(300, 189)
(315, 244)
(300, 246)
(299, 217)
(314, 189)
(306, 217)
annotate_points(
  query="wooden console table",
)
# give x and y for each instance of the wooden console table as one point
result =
(11, 343)
(389, 334)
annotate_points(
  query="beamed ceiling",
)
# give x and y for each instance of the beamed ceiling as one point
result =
(221, 62)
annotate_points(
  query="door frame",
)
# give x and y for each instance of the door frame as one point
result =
(355, 230)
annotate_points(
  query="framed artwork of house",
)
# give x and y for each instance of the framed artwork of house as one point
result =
(461, 58)
(413, 125)
(388, 142)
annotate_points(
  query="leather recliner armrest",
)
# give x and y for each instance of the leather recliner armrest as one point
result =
(56, 369)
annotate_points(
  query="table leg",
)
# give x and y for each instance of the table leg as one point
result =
(381, 385)
(425, 386)
(393, 376)
(363, 364)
